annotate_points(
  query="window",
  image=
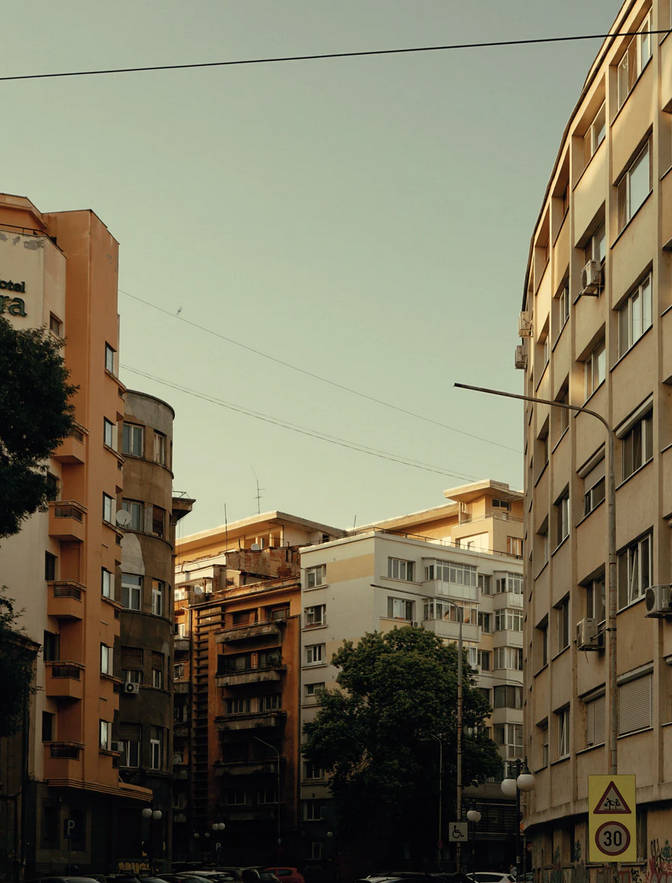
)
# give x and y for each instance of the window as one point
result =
(267, 795)
(635, 704)
(106, 667)
(398, 568)
(136, 510)
(398, 608)
(541, 641)
(596, 246)
(595, 368)
(51, 646)
(314, 653)
(449, 572)
(49, 566)
(105, 583)
(109, 433)
(132, 676)
(634, 186)
(155, 748)
(562, 731)
(594, 716)
(108, 509)
(508, 657)
(158, 597)
(593, 486)
(560, 416)
(236, 797)
(510, 738)
(271, 702)
(484, 621)
(514, 547)
(277, 614)
(595, 599)
(542, 738)
(157, 678)
(485, 583)
(561, 507)
(244, 617)
(129, 753)
(110, 359)
(596, 132)
(178, 671)
(311, 691)
(238, 706)
(634, 316)
(158, 521)
(55, 325)
(270, 658)
(312, 810)
(562, 622)
(104, 734)
(508, 620)
(160, 448)
(133, 439)
(314, 615)
(48, 726)
(316, 576)
(504, 505)
(316, 850)
(508, 696)
(311, 771)
(634, 60)
(637, 445)
(448, 612)
(634, 570)
(541, 545)
(484, 660)
(510, 582)
(131, 590)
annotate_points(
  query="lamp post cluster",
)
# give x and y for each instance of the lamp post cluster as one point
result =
(512, 787)
(150, 815)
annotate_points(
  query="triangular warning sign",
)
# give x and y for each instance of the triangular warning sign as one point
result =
(612, 802)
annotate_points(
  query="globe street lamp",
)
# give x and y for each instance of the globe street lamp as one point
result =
(217, 827)
(511, 787)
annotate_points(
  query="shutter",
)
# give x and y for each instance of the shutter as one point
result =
(595, 721)
(595, 475)
(634, 704)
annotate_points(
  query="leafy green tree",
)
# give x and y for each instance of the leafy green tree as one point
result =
(378, 734)
(17, 658)
(35, 416)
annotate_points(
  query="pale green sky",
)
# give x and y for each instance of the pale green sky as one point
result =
(365, 219)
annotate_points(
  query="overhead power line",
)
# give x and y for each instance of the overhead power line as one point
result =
(320, 56)
(311, 433)
(318, 377)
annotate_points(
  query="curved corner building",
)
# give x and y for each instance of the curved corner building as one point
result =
(596, 330)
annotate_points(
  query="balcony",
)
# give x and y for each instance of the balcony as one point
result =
(445, 589)
(181, 645)
(250, 676)
(249, 632)
(62, 760)
(450, 630)
(244, 768)
(64, 600)
(64, 680)
(263, 720)
(181, 687)
(67, 521)
(73, 448)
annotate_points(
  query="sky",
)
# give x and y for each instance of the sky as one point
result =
(329, 244)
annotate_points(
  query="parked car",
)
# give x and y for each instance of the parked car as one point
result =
(287, 875)
(491, 877)
(67, 879)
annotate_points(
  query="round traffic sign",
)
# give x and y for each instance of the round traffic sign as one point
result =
(612, 838)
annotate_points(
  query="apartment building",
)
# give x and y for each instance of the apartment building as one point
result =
(595, 328)
(420, 569)
(236, 671)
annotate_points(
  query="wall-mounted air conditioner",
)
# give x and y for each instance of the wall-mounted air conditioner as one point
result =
(591, 278)
(525, 324)
(659, 601)
(520, 358)
(588, 636)
(131, 688)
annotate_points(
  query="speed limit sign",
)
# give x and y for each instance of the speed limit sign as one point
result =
(612, 838)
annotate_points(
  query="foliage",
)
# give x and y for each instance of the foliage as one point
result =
(16, 669)
(378, 738)
(35, 416)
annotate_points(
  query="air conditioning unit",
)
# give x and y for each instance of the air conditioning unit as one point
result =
(525, 324)
(588, 637)
(591, 278)
(520, 359)
(131, 688)
(659, 601)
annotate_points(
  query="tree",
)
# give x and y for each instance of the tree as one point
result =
(35, 416)
(378, 733)
(17, 659)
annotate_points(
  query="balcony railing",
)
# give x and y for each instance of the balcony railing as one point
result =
(64, 680)
(73, 448)
(249, 632)
(250, 675)
(65, 599)
(251, 721)
(66, 520)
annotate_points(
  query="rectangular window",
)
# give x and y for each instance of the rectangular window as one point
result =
(514, 547)
(131, 591)
(133, 440)
(269, 658)
(634, 186)
(399, 608)
(562, 731)
(508, 696)
(508, 657)
(136, 511)
(562, 621)
(542, 740)
(132, 676)
(593, 487)
(158, 521)
(157, 678)
(635, 704)
(109, 433)
(108, 508)
(48, 726)
(314, 615)
(311, 691)
(484, 660)
(594, 714)
(316, 576)
(160, 448)
(637, 445)
(51, 646)
(634, 570)
(106, 667)
(595, 368)
(485, 583)
(312, 810)
(106, 589)
(236, 797)
(595, 599)
(398, 568)
(510, 582)
(561, 507)
(104, 734)
(634, 316)
(597, 131)
(634, 60)
(541, 641)
(155, 752)
(49, 566)
(55, 325)
(311, 771)
(129, 753)
(110, 359)
(158, 597)
(484, 622)
(314, 653)
(508, 620)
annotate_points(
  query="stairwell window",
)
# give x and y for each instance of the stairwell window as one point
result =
(634, 570)
(634, 186)
(398, 568)
(634, 316)
(634, 60)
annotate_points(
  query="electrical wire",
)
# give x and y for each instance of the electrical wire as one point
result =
(486, 44)
(331, 439)
(319, 377)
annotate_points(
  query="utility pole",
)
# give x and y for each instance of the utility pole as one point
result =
(460, 618)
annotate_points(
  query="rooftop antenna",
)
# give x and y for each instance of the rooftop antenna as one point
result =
(259, 490)
(226, 530)
(354, 521)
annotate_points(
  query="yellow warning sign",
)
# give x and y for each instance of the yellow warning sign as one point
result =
(612, 829)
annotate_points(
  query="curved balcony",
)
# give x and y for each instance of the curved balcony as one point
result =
(64, 680)
(64, 600)
(67, 521)
(73, 448)
(62, 760)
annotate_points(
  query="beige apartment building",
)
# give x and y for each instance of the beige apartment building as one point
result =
(596, 330)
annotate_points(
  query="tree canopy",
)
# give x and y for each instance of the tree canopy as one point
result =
(35, 416)
(377, 736)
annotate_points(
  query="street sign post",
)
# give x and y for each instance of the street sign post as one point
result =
(612, 817)
(457, 832)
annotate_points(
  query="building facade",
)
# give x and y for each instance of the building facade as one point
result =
(594, 329)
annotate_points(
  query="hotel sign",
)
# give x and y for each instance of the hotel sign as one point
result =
(15, 306)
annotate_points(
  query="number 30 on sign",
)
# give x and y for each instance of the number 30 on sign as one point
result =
(612, 838)
(612, 819)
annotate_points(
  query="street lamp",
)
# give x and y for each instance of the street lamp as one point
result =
(473, 816)
(150, 815)
(511, 787)
(612, 693)
(217, 827)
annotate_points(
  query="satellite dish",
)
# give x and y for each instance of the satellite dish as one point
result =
(123, 518)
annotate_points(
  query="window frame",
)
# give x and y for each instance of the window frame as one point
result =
(316, 576)
(136, 509)
(106, 659)
(637, 444)
(632, 326)
(630, 563)
(595, 367)
(110, 359)
(132, 589)
(133, 439)
(633, 62)
(104, 734)
(315, 615)
(109, 434)
(160, 448)
(109, 508)
(626, 208)
(158, 596)
(314, 654)
(405, 569)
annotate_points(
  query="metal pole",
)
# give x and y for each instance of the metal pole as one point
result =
(517, 822)
(439, 833)
(277, 759)
(460, 617)
(612, 600)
